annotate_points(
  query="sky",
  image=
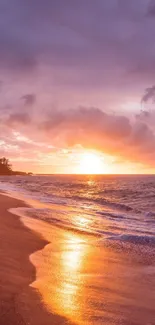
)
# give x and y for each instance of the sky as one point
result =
(77, 76)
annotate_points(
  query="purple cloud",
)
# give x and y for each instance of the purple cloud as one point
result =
(70, 53)
(149, 95)
(18, 118)
(29, 99)
(97, 38)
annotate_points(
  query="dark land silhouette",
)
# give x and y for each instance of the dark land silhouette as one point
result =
(6, 168)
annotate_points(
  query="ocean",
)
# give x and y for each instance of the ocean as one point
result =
(120, 208)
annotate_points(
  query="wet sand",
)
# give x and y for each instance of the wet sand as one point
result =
(20, 304)
(79, 278)
(92, 284)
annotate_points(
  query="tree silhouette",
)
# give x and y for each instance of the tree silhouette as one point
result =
(5, 166)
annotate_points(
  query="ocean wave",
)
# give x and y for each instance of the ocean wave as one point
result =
(105, 202)
(44, 215)
(134, 239)
(38, 193)
(109, 235)
(65, 201)
(149, 214)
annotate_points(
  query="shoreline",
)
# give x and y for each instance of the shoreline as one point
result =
(53, 276)
(20, 303)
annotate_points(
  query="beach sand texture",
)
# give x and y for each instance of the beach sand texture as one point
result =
(52, 276)
(19, 303)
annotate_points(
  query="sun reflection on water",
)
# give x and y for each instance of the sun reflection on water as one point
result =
(83, 222)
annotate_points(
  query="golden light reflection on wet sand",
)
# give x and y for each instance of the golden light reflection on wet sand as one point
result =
(70, 281)
(89, 284)
(62, 284)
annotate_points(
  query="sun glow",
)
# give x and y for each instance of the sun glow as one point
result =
(91, 163)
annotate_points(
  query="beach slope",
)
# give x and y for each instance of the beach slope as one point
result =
(20, 304)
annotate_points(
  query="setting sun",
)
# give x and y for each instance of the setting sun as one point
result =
(91, 163)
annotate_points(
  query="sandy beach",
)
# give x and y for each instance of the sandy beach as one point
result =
(52, 276)
(20, 304)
